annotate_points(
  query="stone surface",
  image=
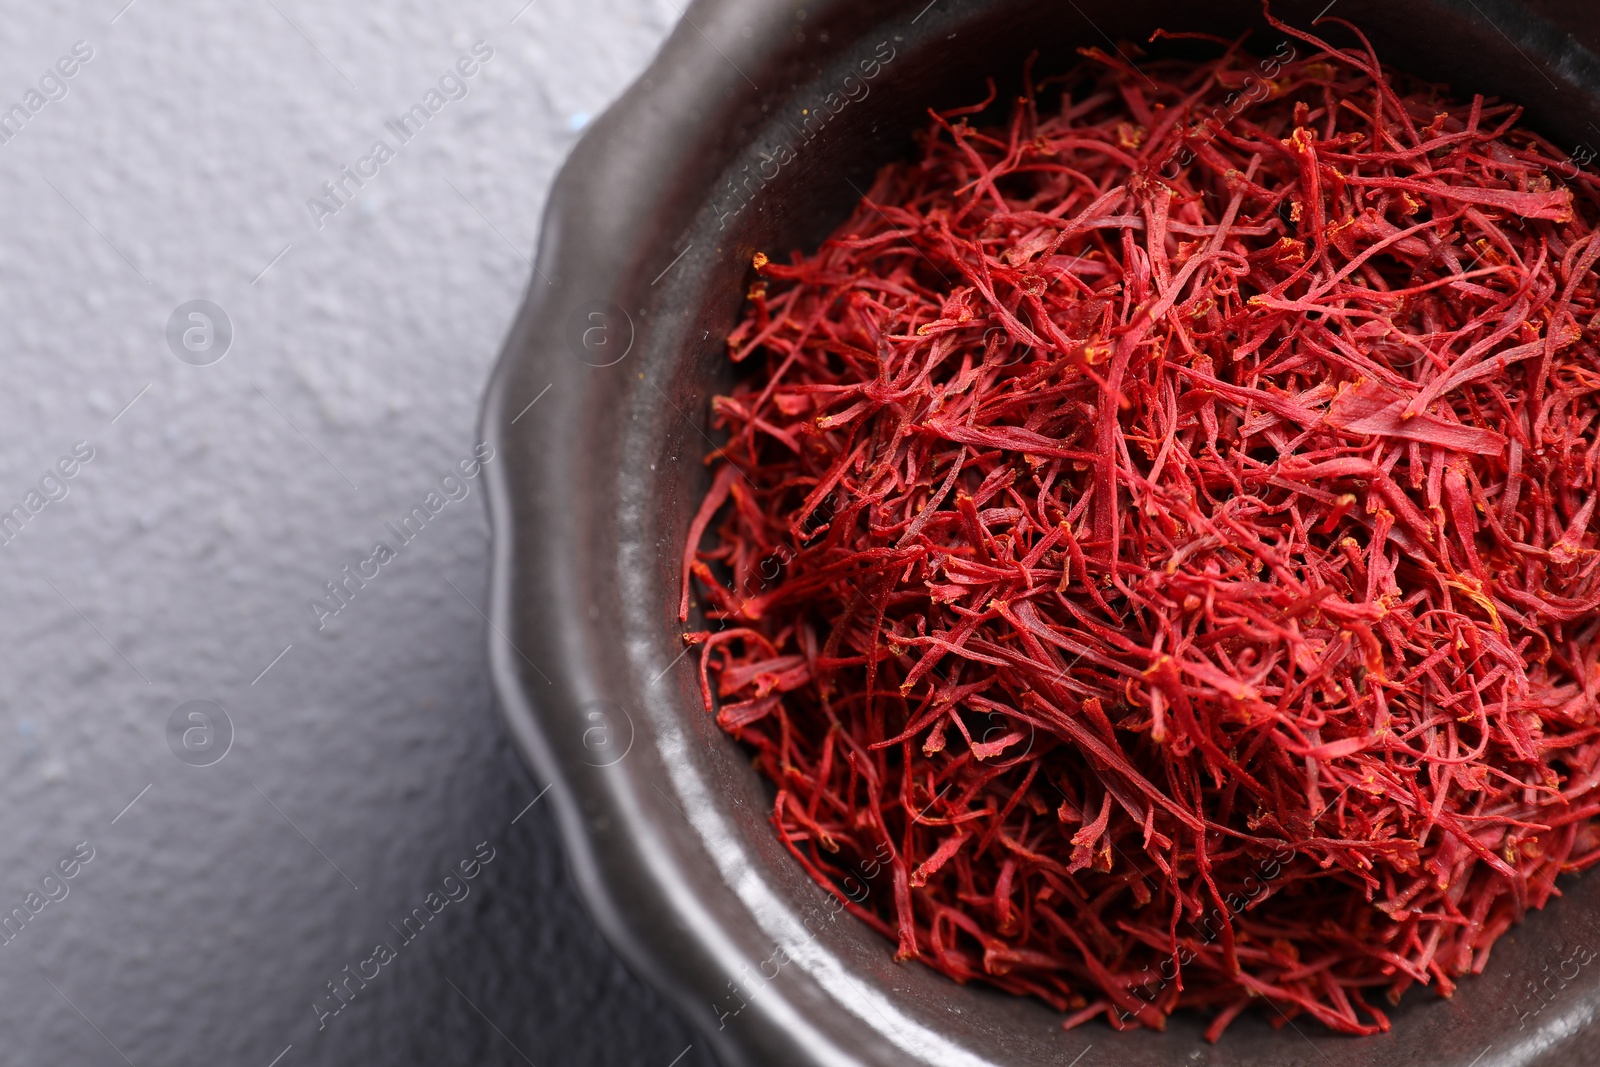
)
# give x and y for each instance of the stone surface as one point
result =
(220, 498)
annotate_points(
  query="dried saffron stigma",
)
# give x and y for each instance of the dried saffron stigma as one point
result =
(1156, 537)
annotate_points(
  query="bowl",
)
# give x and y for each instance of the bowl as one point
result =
(756, 128)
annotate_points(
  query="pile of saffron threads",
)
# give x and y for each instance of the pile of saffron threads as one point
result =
(1162, 550)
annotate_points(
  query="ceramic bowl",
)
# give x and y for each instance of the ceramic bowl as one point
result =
(756, 128)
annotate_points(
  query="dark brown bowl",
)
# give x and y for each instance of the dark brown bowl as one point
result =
(643, 259)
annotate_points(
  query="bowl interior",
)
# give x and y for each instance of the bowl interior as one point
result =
(756, 131)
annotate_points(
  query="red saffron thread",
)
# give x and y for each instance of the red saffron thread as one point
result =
(1171, 542)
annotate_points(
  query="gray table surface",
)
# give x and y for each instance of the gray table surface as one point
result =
(178, 163)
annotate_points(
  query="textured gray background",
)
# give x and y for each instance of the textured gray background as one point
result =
(181, 561)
